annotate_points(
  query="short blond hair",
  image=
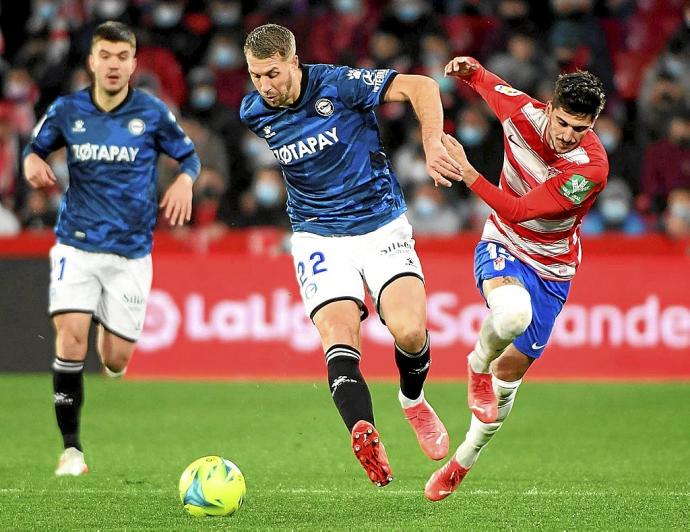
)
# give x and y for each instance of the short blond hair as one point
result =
(270, 39)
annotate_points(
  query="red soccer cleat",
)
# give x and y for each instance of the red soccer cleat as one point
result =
(480, 396)
(431, 433)
(370, 452)
(445, 481)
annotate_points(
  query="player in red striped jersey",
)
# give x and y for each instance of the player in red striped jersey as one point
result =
(554, 166)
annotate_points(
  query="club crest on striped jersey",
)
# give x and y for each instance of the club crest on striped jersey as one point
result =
(507, 90)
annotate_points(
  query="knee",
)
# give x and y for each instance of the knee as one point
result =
(116, 358)
(511, 310)
(408, 328)
(410, 337)
(71, 345)
(336, 331)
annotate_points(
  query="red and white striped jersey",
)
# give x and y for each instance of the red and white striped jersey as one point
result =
(549, 244)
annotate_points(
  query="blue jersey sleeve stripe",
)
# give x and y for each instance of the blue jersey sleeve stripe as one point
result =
(384, 89)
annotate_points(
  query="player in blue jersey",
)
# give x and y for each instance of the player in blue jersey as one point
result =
(101, 263)
(347, 214)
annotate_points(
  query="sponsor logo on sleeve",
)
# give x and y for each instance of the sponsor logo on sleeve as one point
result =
(577, 188)
(507, 90)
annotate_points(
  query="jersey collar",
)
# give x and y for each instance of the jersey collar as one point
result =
(130, 92)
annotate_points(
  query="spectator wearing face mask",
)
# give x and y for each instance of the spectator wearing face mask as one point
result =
(409, 19)
(665, 92)
(22, 93)
(523, 64)
(482, 140)
(341, 34)
(624, 156)
(677, 215)
(204, 106)
(225, 15)
(613, 211)
(430, 213)
(666, 166)
(225, 59)
(166, 27)
(264, 203)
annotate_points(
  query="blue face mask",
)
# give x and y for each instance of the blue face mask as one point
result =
(47, 10)
(470, 136)
(267, 193)
(674, 66)
(425, 207)
(224, 56)
(614, 210)
(347, 6)
(203, 98)
(609, 141)
(408, 12)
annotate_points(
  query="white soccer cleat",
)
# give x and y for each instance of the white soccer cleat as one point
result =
(71, 463)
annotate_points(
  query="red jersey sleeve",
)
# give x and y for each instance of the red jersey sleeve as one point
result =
(560, 194)
(503, 99)
(537, 203)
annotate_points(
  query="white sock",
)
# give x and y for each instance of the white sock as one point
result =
(480, 433)
(114, 374)
(489, 347)
(407, 403)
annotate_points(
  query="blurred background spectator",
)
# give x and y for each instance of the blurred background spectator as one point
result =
(190, 55)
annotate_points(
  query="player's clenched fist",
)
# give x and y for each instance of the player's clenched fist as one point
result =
(37, 172)
(461, 66)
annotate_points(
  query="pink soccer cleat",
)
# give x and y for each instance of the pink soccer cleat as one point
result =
(480, 396)
(445, 481)
(431, 433)
(370, 452)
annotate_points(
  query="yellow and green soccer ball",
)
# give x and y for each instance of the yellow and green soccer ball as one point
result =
(212, 486)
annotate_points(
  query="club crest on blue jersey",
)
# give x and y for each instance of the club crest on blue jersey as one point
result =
(324, 107)
(136, 126)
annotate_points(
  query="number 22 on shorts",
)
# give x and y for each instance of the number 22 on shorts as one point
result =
(314, 267)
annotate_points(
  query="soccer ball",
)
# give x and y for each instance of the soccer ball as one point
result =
(212, 486)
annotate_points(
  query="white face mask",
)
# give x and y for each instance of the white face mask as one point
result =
(109, 9)
(614, 210)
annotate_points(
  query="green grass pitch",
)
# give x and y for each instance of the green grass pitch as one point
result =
(571, 456)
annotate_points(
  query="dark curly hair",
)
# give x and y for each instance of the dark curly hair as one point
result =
(579, 93)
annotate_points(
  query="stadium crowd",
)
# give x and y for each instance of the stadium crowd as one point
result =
(190, 55)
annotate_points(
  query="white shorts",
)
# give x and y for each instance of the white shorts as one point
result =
(332, 268)
(112, 288)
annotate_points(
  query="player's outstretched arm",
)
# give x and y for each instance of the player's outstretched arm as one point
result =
(38, 172)
(536, 203)
(423, 93)
(177, 200)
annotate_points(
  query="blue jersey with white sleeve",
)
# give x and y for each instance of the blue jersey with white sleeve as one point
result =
(338, 178)
(110, 205)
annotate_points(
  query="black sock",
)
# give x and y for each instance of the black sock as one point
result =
(68, 388)
(349, 390)
(413, 368)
